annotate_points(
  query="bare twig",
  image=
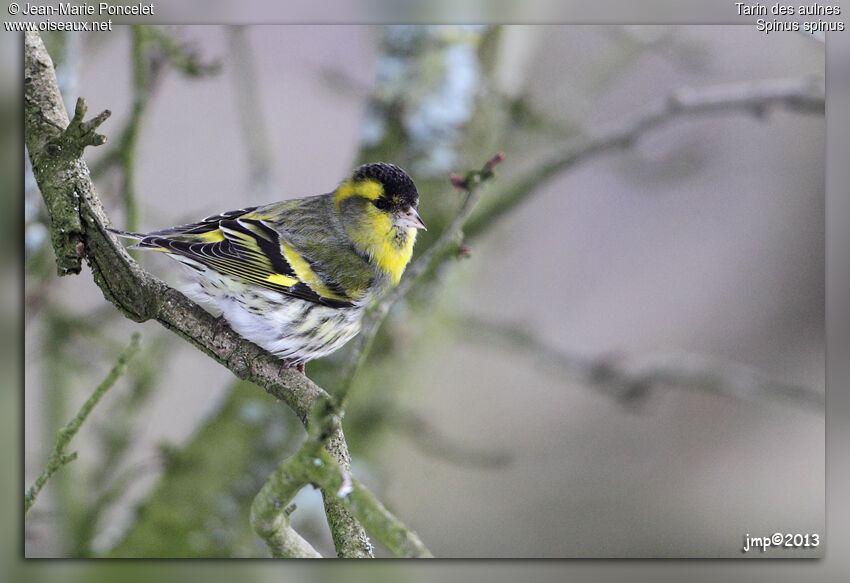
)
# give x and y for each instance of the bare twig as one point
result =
(450, 239)
(58, 457)
(430, 441)
(756, 98)
(630, 380)
(250, 109)
(142, 88)
(152, 47)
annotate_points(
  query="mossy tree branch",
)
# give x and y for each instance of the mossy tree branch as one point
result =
(313, 465)
(78, 228)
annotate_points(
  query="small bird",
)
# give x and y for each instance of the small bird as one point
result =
(295, 277)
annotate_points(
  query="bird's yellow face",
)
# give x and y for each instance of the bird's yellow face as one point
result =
(378, 208)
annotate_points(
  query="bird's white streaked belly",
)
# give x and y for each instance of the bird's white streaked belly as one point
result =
(291, 328)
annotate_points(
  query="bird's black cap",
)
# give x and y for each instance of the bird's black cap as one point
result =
(397, 184)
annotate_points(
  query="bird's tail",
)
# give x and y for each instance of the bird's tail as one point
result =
(126, 234)
(135, 236)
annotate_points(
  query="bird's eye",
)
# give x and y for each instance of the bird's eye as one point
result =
(382, 204)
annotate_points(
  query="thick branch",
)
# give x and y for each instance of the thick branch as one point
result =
(78, 223)
(54, 146)
(270, 514)
(313, 465)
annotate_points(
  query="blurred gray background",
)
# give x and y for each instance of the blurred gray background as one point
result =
(705, 237)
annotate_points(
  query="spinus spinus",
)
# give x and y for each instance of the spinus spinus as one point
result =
(295, 277)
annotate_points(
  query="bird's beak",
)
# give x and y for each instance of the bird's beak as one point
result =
(409, 219)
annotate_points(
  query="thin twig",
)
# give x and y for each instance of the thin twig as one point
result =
(142, 88)
(430, 441)
(756, 98)
(471, 184)
(253, 126)
(632, 379)
(58, 457)
(152, 47)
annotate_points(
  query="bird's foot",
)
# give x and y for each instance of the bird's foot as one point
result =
(220, 326)
(299, 366)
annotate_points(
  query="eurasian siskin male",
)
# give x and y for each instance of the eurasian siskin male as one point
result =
(295, 276)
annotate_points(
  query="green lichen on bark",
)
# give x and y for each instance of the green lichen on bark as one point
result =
(313, 464)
